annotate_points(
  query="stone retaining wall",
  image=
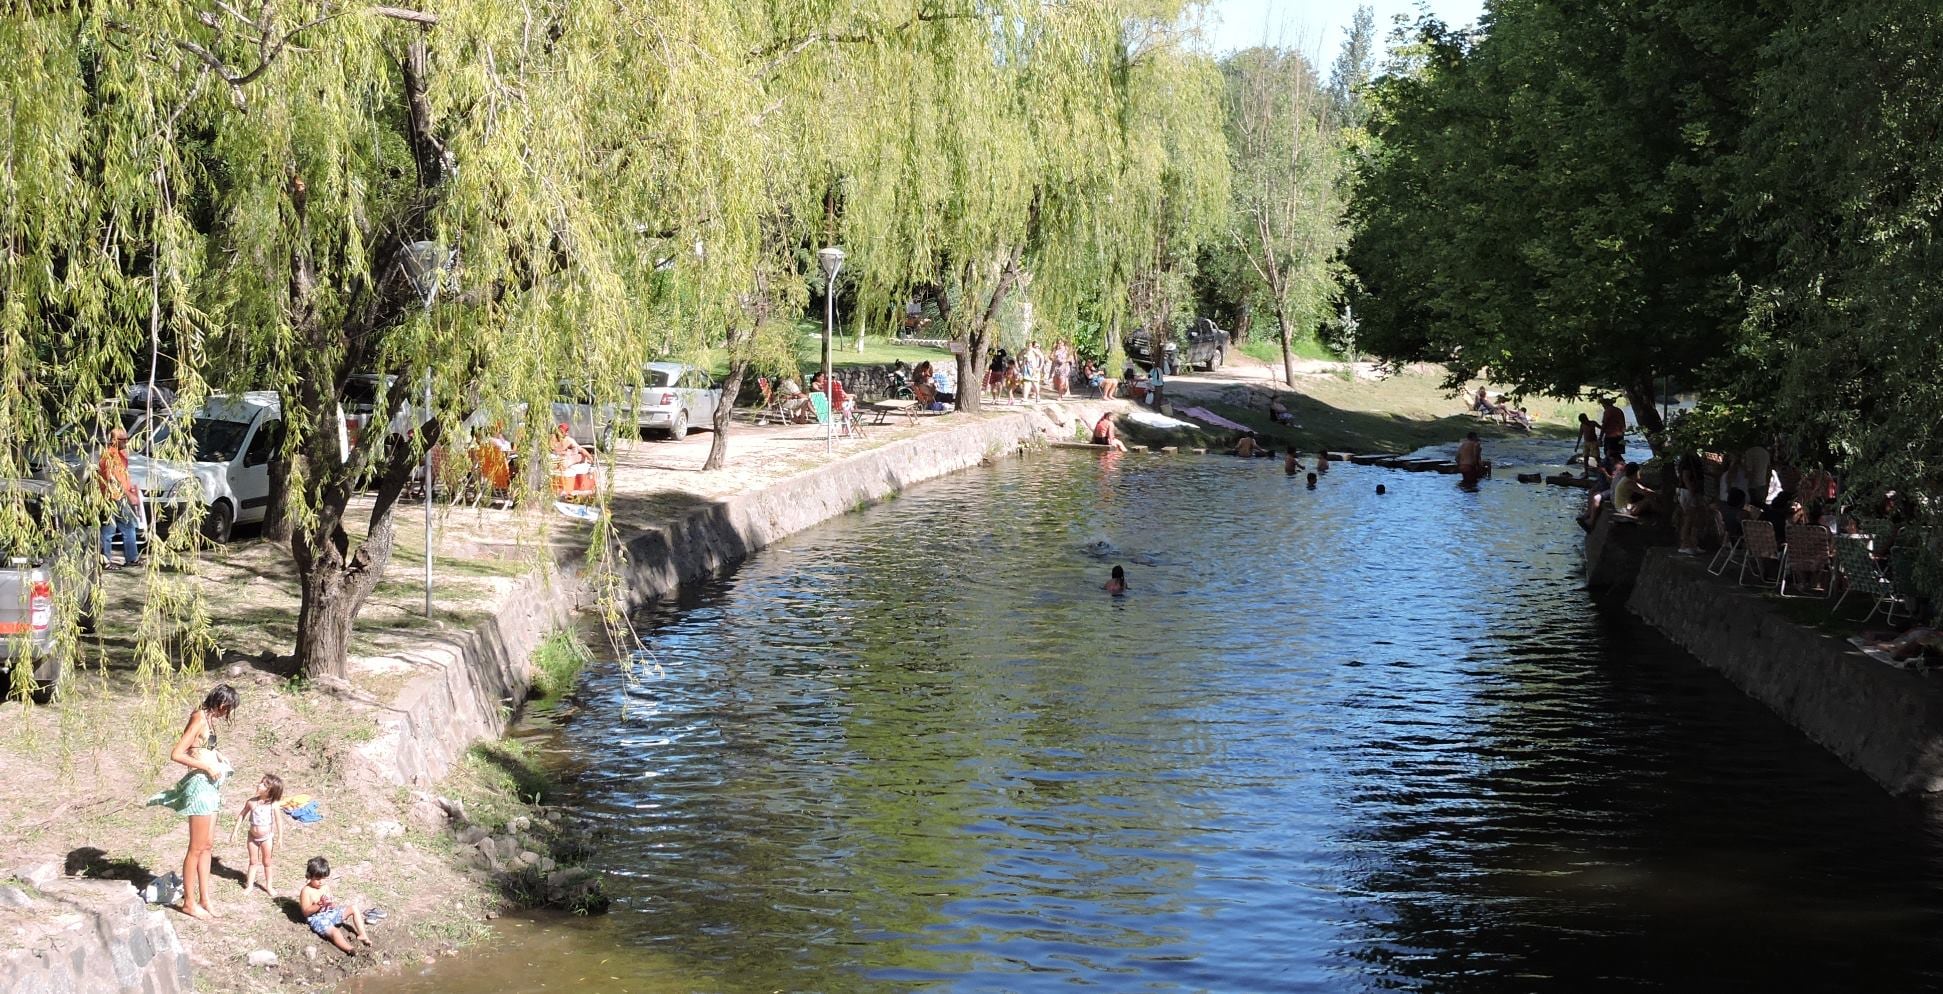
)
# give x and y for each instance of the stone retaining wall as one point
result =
(89, 936)
(1884, 721)
(471, 683)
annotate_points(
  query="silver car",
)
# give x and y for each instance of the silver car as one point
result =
(53, 554)
(674, 397)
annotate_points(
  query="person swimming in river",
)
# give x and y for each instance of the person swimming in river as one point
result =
(1290, 464)
(1312, 481)
(1116, 583)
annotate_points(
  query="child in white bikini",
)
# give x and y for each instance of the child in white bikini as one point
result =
(266, 830)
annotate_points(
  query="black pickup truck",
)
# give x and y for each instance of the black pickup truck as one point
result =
(1205, 346)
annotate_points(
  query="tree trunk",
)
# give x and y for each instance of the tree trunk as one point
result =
(718, 443)
(1288, 345)
(324, 619)
(1116, 357)
(1646, 413)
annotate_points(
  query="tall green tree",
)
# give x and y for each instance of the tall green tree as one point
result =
(1547, 200)
(1288, 161)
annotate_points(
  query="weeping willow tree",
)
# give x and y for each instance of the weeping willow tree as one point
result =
(451, 201)
(474, 203)
(990, 149)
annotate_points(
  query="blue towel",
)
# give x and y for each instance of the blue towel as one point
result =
(308, 814)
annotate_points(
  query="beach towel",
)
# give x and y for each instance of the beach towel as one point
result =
(306, 814)
(1202, 414)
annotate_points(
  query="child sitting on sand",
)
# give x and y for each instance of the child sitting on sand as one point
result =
(324, 913)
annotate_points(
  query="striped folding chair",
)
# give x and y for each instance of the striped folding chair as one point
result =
(1760, 549)
(1860, 574)
(1810, 554)
(1732, 550)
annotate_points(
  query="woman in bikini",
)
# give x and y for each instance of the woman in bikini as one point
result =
(198, 795)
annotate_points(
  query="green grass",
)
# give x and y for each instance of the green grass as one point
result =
(1270, 350)
(1394, 414)
(557, 663)
(877, 351)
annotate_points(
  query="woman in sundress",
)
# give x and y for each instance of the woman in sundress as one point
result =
(198, 794)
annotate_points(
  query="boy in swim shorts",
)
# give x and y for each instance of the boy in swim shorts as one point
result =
(323, 912)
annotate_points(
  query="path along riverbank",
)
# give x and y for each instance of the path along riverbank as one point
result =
(418, 817)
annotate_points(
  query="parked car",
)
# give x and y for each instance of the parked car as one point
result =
(574, 407)
(1206, 346)
(146, 429)
(51, 552)
(674, 397)
(571, 407)
(233, 439)
(362, 396)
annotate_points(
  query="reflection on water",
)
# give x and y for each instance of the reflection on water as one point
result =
(1330, 741)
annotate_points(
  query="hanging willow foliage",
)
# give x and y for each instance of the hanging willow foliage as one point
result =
(486, 199)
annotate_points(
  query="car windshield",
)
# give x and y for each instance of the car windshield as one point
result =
(138, 439)
(360, 395)
(217, 440)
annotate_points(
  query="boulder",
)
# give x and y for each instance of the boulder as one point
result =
(38, 874)
(472, 835)
(385, 829)
(519, 824)
(14, 897)
(262, 957)
(529, 857)
(427, 816)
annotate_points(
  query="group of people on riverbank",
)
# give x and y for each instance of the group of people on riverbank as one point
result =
(1033, 372)
(197, 796)
(1721, 496)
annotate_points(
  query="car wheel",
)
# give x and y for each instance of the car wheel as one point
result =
(219, 522)
(678, 428)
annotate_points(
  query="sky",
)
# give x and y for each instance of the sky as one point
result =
(1316, 27)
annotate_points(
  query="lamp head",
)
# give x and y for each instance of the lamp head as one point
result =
(831, 259)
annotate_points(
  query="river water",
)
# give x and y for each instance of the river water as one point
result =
(1330, 741)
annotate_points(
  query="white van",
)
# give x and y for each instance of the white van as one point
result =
(235, 438)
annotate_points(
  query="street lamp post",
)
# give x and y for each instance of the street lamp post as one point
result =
(832, 261)
(425, 263)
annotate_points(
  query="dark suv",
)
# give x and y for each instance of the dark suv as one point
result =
(1206, 346)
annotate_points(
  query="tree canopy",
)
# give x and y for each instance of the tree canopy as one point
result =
(486, 200)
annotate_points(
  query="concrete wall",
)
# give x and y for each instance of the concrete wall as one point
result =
(1884, 721)
(716, 536)
(1616, 549)
(469, 684)
(87, 936)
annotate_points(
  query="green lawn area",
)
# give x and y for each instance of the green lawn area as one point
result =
(1394, 414)
(1267, 349)
(877, 351)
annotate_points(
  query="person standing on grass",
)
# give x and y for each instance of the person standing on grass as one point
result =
(199, 794)
(124, 501)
